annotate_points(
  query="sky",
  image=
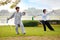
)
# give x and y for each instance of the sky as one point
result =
(40, 4)
(51, 4)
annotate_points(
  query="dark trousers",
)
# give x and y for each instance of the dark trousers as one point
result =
(46, 23)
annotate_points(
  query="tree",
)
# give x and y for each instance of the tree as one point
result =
(4, 2)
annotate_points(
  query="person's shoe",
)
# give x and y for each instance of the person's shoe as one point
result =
(44, 30)
(52, 29)
(24, 33)
(17, 33)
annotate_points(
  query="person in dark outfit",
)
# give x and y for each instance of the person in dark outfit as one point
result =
(45, 22)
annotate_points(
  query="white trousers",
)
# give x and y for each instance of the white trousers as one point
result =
(21, 26)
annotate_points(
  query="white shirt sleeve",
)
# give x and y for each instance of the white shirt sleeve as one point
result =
(12, 15)
(49, 13)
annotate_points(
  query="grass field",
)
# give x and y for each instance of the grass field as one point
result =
(8, 32)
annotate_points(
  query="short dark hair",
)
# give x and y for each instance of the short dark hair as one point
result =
(17, 7)
(44, 10)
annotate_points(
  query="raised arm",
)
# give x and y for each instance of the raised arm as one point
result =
(50, 12)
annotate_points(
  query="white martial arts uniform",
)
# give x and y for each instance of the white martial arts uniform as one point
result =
(17, 18)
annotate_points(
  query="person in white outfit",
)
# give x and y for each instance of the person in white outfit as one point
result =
(18, 22)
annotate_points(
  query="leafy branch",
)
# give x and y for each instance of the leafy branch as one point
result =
(9, 1)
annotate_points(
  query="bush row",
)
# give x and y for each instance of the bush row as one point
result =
(30, 23)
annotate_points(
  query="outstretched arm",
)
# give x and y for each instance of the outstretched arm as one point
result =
(38, 15)
(50, 12)
(11, 16)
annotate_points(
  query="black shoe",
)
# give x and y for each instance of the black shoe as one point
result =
(24, 33)
(44, 30)
(52, 30)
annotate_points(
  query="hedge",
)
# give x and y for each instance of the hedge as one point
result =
(30, 23)
(33, 23)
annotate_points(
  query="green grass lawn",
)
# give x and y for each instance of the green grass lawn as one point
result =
(9, 31)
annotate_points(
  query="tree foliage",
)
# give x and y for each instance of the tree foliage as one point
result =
(4, 2)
